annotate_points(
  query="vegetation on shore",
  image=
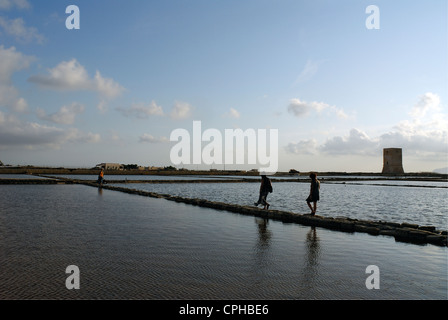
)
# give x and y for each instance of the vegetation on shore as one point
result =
(170, 170)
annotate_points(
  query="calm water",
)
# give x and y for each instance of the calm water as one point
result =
(133, 247)
(141, 177)
(420, 205)
(19, 176)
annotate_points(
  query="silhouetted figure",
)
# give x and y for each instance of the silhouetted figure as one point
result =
(314, 193)
(265, 188)
(101, 177)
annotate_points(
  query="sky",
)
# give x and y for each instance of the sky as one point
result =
(337, 81)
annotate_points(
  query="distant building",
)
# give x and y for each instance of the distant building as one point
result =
(392, 160)
(110, 166)
(153, 168)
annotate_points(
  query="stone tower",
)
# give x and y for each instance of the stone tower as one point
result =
(392, 160)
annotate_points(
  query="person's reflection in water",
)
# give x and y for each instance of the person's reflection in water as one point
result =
(264, 235)
(261, 260)
(311, 268)
(100, 192)
(261, 250)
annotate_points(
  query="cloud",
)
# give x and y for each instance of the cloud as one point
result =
(425, 137)
(107, 87)
(181, 110)
(420, 137)
(302, 108)
(427, 130)
(429, 102)
(9, 4)
(17, 133)
(12, 61)
(17, 29)
(356, 142)
(142, 111)
(298, 108)
(65, 115)
(233, 113)
(303, 147)
(310, 69)
(80, 137)
(151, 139)
(414, 140)
(72, 76)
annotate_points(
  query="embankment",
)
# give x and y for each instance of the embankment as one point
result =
(403, 232)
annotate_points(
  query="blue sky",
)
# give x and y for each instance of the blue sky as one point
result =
(114, 90)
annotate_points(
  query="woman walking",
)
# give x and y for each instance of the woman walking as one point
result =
(265, 188)
(314, 193)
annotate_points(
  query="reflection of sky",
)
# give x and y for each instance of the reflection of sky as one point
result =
(134, 247)
(19, 176)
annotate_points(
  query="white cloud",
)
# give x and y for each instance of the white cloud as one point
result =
(429, 102)
(107, 87)
(181, 110)
(65, 115)
(233, 113)
(12, 61)
(89, 137)
(356, 142)
(72, 76)
(298, 108)
(142, 111)
(303, 147)
(9, 4)
(17, 29)
(420, 137)
(427, 130)
(310, 69)
(17, 133)
(425, 135)
(67, 75)
(151, 139)
(302, 108)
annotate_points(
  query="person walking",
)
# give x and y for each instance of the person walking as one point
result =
(265, 189)
(314, 193)
(101, 177)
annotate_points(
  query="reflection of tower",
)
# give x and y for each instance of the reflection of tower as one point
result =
(392, 160)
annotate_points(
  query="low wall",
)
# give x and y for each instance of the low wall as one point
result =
(404, 232)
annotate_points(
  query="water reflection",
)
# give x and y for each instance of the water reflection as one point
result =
(264, 235)
(311, 266)
(262, 259)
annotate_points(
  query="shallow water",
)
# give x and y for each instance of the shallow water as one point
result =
(133, 247)
(140, 177)
(20, 176)
(418, 205)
